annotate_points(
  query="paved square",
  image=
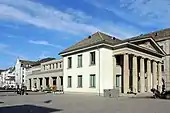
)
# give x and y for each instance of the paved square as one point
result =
(67, 103)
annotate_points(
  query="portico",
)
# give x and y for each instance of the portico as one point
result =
(141, 70)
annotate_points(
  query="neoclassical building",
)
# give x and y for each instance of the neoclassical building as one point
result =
(45, 73)
(162, 37)
(103, 62)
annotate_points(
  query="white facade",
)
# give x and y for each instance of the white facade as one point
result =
(103, 70)
(1, 79)
(8, 78)
(20, 72)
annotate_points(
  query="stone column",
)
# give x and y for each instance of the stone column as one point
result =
(38, 83)
(126, 73)
(51, 81)
(142, 76)
(32, 83)
(160, 76)
(135, 77)
(44, 83)
(114, 72)
(148, 75)
(154, 75)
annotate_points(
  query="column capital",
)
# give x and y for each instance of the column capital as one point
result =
(160, 62)
(134, 55)
(148, 59)
(126, 53)
(141, 57)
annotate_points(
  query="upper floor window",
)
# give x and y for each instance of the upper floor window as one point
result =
(56, 65)
(53, 66)
(49, 66)
(60, 64)
(69, 62)
(79, 60)
(92, 58)
(44, 67)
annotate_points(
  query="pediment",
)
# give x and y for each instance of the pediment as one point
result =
(149, 44)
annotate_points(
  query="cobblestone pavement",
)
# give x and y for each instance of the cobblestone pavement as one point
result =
(67, 103)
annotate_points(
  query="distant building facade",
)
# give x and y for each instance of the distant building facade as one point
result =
(45, 74)
(7, 78)
(20, 71)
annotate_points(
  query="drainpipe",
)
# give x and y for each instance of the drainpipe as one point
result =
(99, 69)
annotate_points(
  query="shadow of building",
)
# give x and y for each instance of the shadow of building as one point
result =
(27, 109)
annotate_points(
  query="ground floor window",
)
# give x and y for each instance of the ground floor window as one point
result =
(92, 81)
(79, 85)
(69, 81)
(117, 81)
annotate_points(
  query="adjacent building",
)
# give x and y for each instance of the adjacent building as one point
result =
(7, 78)
(44, 74)
(1, 78)
(20, 71)
(104, 62)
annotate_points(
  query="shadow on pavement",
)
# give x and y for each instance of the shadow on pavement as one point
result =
(27, 109)
(143, 97)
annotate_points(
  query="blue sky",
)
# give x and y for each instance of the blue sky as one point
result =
(35, 29)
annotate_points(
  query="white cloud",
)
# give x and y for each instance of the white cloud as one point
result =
(3, 46)
(70, 20)
(145, 13)
(45, 43)
(44, 54)
(43, 16)
(157, 11)
(5, 50)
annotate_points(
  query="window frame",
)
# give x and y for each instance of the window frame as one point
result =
(69, 62)
(79, 81)
(69, 84)
(79, 64)
(92, 81)
(91, 58)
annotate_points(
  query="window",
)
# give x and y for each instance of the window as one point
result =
(92, 58)
(44, 67)
(56, 65)
(60, 64)
(53, 66)
(117, 80)
(79, 60)
(79, 85)
(69, 62)
(93, 81)
(49, 66)
(69, 81)
(163, 66)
